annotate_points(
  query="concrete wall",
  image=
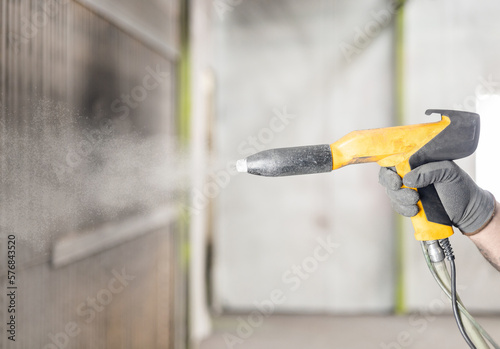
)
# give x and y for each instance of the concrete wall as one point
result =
(285, 57)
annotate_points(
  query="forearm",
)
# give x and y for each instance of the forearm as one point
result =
(488, 239)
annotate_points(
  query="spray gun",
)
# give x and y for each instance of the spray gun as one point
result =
(455, 136)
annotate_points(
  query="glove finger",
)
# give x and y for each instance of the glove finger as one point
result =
(389, 178)
(433, 172)
(403, 196)
(405, 210)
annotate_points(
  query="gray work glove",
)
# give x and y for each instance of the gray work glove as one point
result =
(469, 207)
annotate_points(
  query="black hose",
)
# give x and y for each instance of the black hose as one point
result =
(448, 251)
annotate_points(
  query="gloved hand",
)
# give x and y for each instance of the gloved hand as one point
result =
(469, 207)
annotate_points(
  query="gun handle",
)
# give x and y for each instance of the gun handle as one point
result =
(432, 221)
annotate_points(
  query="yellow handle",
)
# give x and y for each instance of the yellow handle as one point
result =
(393, 146)
(424, 230)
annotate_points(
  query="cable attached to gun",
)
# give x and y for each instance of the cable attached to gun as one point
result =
(448, 251)
(434, 258)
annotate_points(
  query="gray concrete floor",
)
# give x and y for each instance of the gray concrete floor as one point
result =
(351, 332)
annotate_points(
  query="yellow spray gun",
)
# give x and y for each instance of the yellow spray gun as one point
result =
(404, 147)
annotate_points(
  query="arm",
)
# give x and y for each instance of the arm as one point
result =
(487, 240)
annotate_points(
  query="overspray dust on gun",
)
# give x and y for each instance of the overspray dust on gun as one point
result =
(403, 147)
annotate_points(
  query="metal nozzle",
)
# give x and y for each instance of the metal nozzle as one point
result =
(288, 161)
(241, 165)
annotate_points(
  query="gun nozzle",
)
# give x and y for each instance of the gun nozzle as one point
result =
(288, 161)
(241, 165)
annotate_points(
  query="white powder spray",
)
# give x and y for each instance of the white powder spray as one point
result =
(59, 177)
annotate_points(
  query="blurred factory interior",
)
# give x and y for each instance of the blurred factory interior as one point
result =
(120, 125)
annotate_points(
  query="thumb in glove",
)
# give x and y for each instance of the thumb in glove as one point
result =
(469, 207)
